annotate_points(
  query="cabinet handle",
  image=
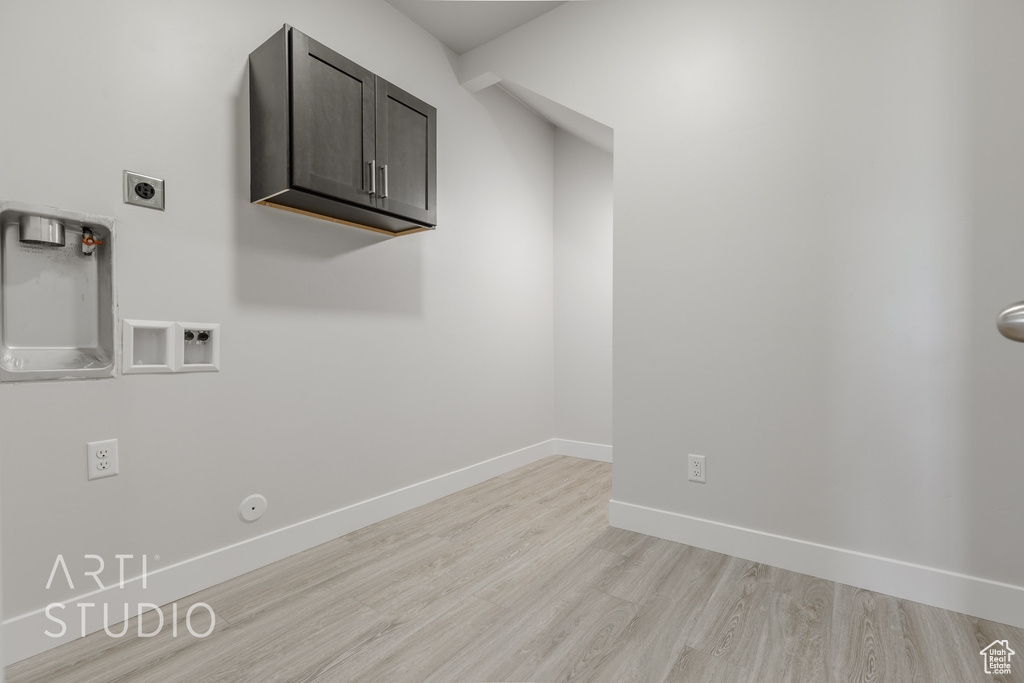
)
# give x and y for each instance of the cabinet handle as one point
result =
(373, 177)
(384, 168)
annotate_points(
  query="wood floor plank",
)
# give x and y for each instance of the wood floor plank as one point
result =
(655, 640)
(644, 570)
(545, 555)
(278, 584)
(867, 641)
(571, 492)
(619, 540)
(261, 588)
(520, 578)
(293, 644)
(734, 622)
(694, 666)
(940, 645)
(455, 510)
(527, 484)
(398, 587)
(500, 649)
(795, 648)
(574, 647)
(417, 645)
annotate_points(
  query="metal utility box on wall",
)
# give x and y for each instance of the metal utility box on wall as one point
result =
(57, 303)
(330, 139)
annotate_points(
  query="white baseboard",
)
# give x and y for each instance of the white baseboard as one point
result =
(582, 449)
(25, 635)
(978, 597)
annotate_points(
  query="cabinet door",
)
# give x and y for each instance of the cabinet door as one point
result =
(406, 151)
(332, 122)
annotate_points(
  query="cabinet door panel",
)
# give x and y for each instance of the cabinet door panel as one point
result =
(406, 149)
(333, 119)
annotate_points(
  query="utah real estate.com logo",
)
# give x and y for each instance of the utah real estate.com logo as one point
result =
(997, 657)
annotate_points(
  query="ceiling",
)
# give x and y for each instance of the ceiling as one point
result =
(464, 24)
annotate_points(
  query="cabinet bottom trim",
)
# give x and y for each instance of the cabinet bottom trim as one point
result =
(338, 220)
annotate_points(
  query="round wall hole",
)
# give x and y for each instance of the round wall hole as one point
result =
(252, 508)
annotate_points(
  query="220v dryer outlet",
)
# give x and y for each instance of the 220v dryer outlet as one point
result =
(143, 190)
(102, 458)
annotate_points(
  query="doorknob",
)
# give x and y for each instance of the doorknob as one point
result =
(1011, 322)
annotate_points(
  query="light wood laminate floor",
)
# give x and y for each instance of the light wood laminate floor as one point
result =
(521, 579)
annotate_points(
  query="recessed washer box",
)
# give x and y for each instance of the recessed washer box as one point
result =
(57, 299)
(198, 347)
(148, 346)
(153, 346)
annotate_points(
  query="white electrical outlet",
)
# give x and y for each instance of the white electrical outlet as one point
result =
(102, 458)
(696, 469)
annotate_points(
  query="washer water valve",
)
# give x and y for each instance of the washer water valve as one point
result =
(89, 242)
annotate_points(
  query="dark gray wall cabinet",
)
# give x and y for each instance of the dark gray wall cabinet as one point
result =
(330, 139)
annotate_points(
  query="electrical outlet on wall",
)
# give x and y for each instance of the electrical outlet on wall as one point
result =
(143, 190)
(695, 467)
(102, 458)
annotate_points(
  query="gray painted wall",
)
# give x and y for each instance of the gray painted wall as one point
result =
(817, 217)
(583, 291)
(351, 365)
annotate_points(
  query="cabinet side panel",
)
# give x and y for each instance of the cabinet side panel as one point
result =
(268, 117)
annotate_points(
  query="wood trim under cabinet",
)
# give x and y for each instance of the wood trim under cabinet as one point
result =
(338, 220)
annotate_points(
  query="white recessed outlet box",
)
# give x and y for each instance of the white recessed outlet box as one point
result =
(151, 346)
(101, 457)
(147, 346)
(198, 347)
(695, 467)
